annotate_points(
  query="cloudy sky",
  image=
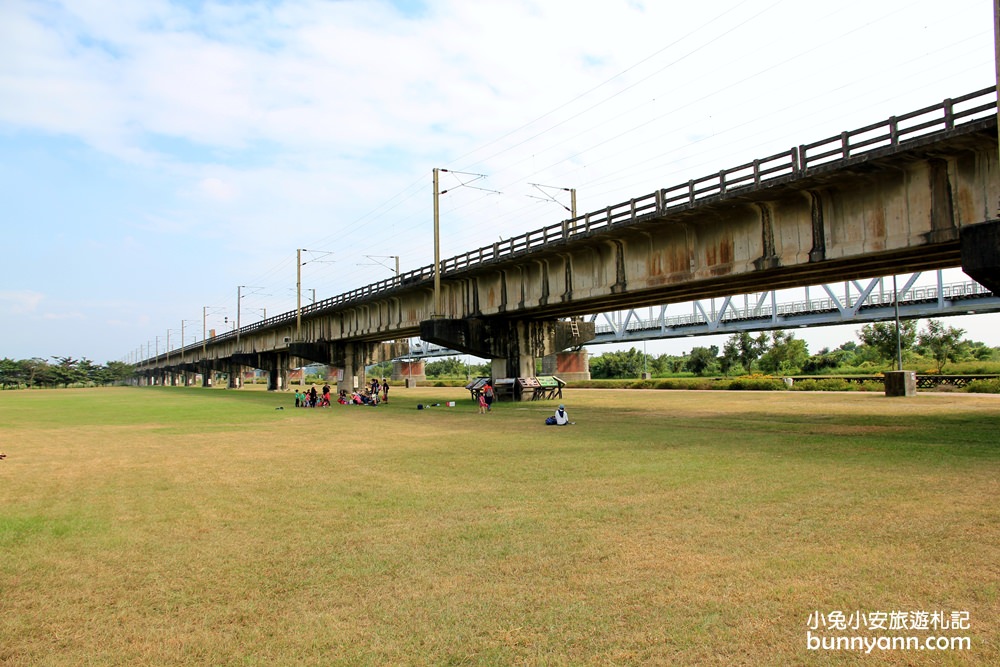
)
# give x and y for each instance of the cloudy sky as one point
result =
(157, 155)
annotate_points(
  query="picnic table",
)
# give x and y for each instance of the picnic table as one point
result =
(512, 389)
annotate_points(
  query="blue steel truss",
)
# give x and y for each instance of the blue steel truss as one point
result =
(852, 302)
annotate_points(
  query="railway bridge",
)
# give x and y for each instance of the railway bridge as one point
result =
(914, 192)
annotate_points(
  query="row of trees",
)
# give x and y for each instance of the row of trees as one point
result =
(60, 372)
(777, 352)
(448, 367)
(780, 352)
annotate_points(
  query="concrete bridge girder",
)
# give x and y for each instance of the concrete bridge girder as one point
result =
(981, 254)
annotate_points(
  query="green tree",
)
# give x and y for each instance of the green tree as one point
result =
(880, 338)
(787, 354)
(11, 373)
(450, 367)
(620, 364)
(942, 343)
(36, 371)
(743, 350)
(982, 352)
(380, 370)
(117, 371)
(703, 360)
(827, 359)
(730, 358)
(67, 371)
(666, 364)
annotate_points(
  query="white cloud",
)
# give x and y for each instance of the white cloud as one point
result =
(218, 189)
(20, 302)
(64, 316)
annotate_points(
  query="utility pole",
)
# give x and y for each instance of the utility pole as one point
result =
(239, 301)
(548, 197)
(239, 298)
(183, 354)
(204, 329)
(899, 344)
(376, 258)
(437, 246)
(298, 287)
(996, 48)
(298, 294)
(438, 312)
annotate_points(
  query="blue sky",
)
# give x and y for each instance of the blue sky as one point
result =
(156, 155)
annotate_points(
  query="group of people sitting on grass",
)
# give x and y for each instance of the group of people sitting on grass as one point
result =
(371, 395)
(312, 398)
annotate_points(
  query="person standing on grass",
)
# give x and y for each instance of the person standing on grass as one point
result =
(385, 390)
(482, 403)
(487, 394)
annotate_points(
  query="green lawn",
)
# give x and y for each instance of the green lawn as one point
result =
(163, 526)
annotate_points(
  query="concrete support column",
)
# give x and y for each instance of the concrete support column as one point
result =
(411, 371)
(353, 368)
(235, 376)
(900, 383)
(277, 365)
(567, 366)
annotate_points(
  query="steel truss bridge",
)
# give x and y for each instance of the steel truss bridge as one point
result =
(850, 302)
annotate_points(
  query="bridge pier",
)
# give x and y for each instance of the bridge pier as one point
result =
(277, 370)
(350, 365)
(567, 366)
(207, 371)
(235, 375)
(409, 370)
(511, 345)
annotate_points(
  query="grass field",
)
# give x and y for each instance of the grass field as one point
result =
(169, 526)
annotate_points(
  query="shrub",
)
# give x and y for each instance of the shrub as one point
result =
(824, 384)
(974, 368)
(984, 387)
(756, 383)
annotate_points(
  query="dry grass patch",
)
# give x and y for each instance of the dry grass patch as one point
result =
(179, 526)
